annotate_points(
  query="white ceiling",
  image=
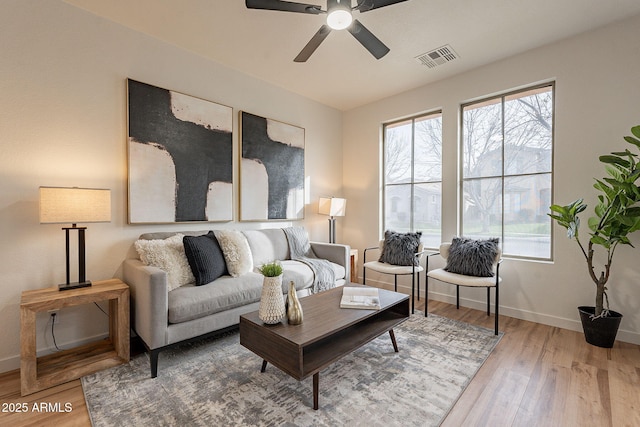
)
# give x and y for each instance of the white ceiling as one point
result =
(341, 73)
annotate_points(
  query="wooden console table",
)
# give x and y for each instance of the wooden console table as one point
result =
(37, 373)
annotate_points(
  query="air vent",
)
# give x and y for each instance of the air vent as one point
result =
(438, 56)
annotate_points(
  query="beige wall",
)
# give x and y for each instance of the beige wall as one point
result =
(597, 102)
(63, 123)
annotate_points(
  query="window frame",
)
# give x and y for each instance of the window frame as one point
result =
(461, 180)
(412, 182)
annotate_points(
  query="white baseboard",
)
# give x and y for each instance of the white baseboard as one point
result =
(544, 319)
(12, 363)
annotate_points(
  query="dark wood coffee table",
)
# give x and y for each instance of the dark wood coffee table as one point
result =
(327, 334)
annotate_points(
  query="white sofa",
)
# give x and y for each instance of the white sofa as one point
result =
(162, 318)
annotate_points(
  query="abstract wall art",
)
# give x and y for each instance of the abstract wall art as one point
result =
(180, 157)
(271, 170)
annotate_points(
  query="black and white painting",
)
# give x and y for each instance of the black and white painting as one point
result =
(180, 157)
(271, 170)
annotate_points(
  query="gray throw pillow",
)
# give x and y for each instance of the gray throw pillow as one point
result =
(472, 257)
(400, 248)
(205, 258)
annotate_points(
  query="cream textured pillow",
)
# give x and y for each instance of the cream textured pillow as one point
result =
(236, 251)
(168, 255)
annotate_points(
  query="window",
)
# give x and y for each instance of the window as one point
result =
(413, 176)
(507, 145)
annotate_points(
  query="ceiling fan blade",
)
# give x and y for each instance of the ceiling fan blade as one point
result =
(313, 44)
(366, 5)
(285, 6)
(368, 40)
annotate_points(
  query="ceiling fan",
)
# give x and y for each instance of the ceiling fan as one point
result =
(339, 16)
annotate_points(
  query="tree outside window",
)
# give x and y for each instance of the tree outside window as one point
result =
(413, 176)
(507, 145)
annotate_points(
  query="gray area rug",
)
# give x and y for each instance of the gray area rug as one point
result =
(217, 382)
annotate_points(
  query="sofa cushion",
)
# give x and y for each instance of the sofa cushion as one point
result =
(302, 275)
(267, 245)
(205, 258)
(193, 302)
(167, 254)
(236, 250)
(299, 273)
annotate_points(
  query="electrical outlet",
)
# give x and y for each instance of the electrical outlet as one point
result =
(52, 312)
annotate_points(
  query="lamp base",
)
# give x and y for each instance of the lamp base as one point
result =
(75, 285)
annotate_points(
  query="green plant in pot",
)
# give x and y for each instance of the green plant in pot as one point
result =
(271, 309)
(617, 215)
(271, 269)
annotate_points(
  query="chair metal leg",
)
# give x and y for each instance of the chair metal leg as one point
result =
(413, 293)
(488, 302)
(395, 282)
(426, 294)
(364, 276)
(497, 310)
(457, 297)
(497, 296)
(418, 286)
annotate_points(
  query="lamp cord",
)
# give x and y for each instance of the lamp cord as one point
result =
(53, 323)
(100, 308)
(53, 335)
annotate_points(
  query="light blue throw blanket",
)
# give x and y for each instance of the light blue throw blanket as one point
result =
(324, 276)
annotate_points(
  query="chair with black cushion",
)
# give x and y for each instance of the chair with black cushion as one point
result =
(400, 254)
(471, 263)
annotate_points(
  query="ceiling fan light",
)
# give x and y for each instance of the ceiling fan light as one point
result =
(339, 19)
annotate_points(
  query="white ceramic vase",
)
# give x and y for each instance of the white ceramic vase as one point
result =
(272, 309)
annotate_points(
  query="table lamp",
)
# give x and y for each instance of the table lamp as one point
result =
(61, 205)
(332, 206)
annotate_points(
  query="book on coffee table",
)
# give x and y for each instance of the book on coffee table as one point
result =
(360, 297)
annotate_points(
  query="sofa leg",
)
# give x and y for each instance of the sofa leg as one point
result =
(153, 355)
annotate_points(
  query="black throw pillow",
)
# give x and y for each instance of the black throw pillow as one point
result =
(400, 248)
(205, 258)
(472, 257)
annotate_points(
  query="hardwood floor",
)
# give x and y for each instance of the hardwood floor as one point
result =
(537, 376)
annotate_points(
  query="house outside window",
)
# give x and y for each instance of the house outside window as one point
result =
(507, 160)
(412, 187)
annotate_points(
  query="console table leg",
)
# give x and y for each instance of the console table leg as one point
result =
(264, 366)
(393, 340)
(316, 382)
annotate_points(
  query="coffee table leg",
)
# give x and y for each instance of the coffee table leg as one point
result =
(264, 366)
(316, 383)
(393, 340)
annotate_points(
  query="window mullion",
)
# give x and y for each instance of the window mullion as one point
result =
(502, 177)
(413, 176)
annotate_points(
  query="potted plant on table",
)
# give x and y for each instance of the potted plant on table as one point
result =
(271, 309)
(617, 215)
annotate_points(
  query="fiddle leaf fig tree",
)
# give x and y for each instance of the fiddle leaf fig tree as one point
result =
(617, 215)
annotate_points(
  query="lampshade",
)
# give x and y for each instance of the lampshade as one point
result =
(60, 205)
(332, 206)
